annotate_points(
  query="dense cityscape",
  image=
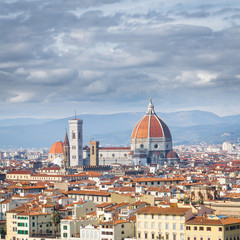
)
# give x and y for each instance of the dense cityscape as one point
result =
(151, 190)
(119, 120)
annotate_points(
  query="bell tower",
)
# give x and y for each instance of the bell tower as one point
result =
(76, 141)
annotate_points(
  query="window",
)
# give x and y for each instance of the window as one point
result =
(227, 228)
(201, 228)
(152, 225)
(195, 228)
(152, 216)
(139, 235)
(159, 216)
(209, 229)
(188, 228)
(181, 226)
(194, 238)
(159, 225)
(145, 215)
(220, 229)
(159, 236)
(33, 224)
(64, 227)
(166, 226)
(145, 235)
(188, 238)
(174, 226)
(139, 224)
(174, 217)
(73, 135)
(181, 217)
(145, 224)
(174, 236)
(152, 235)
(122, 232)
(65, 235)
(167, 236)
(22, 232)
(166, 216)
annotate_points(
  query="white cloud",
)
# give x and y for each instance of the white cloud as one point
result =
(196, 78)
(21, 97)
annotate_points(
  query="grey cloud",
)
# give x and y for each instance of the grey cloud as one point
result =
(57, 56)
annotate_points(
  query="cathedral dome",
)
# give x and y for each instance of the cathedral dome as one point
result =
(57, 148)
(151, 126)
(172, 154)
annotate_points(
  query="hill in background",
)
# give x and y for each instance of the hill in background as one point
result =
(187, 127)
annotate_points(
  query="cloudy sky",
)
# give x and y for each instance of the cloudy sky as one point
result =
(103, 56)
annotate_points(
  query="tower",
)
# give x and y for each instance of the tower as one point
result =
(75, 136)
(94, 153)
(66, 151)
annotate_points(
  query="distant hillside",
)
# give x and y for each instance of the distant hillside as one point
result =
(187, 127)
(21, 121)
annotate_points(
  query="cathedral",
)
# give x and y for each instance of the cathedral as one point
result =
(151, 143)
(151, 140)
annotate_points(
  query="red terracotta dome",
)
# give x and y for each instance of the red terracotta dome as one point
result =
(151, 126)
(172, 154)
(57, 148)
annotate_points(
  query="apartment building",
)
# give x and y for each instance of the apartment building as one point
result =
(162, 223)
(22, 225)
(90, 195)
(212, 227)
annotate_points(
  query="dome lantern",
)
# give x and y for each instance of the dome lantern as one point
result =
(150, 110)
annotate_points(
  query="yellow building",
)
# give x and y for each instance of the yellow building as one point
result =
(162, 223)
(22, 225)
(213, 228)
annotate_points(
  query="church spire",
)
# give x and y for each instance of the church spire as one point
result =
(150, 110)
(66, 141)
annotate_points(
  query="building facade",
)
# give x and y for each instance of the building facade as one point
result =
(162, 223)
(213, 227)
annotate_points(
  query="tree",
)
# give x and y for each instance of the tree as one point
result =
(56, 219)
(2, 232)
